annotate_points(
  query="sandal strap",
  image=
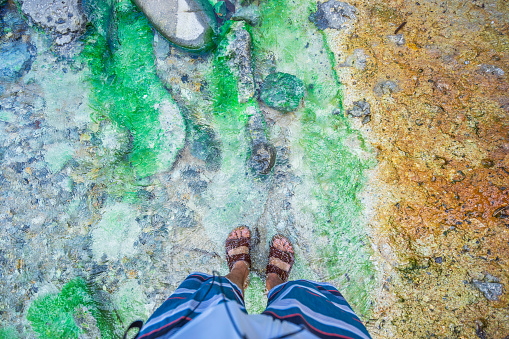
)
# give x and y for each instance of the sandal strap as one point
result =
(274, 269)
(230, 244)
(284, 256)
(232, 259)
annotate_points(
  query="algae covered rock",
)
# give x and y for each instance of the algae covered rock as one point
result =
(282, 91)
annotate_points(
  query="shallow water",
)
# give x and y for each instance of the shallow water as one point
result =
(126, 162)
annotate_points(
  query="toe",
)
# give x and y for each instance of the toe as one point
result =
(245, 232)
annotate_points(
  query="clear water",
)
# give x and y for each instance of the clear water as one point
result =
(126, 164)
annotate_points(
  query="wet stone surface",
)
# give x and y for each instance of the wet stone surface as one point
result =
(282, 91)
(333, 14)
(65, 19)
(185, 22)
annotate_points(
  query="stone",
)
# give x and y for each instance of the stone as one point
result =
(16, 59)
(263, 158)
(385, 87)
(249, 14)
(333, 14)
(240, 52)
(282, 91)
(64, 19)
(186, 23)
(491, 70)
(183, 216)
(491, 290)
(358, 60)
(206, 147)
(360, 109)
(398, 39)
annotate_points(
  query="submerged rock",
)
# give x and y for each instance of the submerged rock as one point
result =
(183, 22)
(282, 91)
(206, 147)
(16, 59)
(63, 18)
(263, 158)
(491, 70)
(398, 39)
(491, 290)
(240, 50)
(358, 60)
(385, 87)
(333, 14)
(361, 109)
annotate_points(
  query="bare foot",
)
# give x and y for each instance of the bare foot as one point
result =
(273, 279)
(240, 271)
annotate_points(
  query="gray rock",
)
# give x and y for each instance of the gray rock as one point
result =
(256, 126)
(13, 23)
(491, 290)
(240, 51)
(62, 18)
(358, 60)
(360, 109)
(186, 23)
(206, 147)
(249, 14)
(398, 39)
(183, 216)
(385, 87)
(16, 59)
(263, 158)
(333, 14)
(491, 70)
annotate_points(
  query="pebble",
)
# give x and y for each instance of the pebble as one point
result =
(385, 87)
(358, 60)
(333, 14)
(491, 290)
(491, 70)
(360, 109)
(398, 39)
(282, 91)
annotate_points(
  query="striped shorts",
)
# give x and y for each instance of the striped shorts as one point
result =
(319, 307)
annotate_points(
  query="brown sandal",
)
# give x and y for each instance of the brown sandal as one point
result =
(287, 257)
(231, 244)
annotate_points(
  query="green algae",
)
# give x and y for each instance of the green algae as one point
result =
(53, 315)
(255, 304)
(130, 302)
(282, 91)
(9, 333)
(127, 91)
(337, 173)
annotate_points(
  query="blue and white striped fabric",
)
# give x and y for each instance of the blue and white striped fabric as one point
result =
(177, 310)
(319, 307)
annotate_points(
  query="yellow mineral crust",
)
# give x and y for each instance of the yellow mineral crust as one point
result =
(439, 105)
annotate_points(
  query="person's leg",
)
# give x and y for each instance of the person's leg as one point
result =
(319, 307)
(240, 271)
(200, 291)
